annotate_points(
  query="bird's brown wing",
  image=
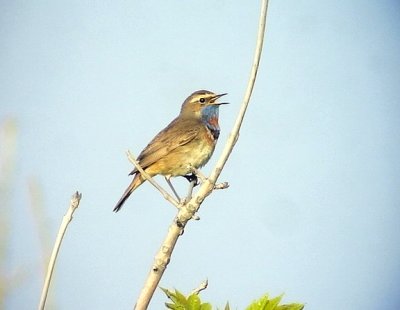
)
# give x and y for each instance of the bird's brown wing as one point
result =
(179, 132)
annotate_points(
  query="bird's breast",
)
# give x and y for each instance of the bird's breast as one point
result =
(196, 153)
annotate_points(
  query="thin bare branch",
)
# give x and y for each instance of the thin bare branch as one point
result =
(222, 185)
(203, 285)
(76, 198)
(234, 136)
(163, 192)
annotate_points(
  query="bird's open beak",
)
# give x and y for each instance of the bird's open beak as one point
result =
(213, 99)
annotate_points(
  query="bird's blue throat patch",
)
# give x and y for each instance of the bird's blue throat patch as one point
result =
(209, 115)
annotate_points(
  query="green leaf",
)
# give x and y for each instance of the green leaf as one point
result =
(273, 303)
(291, 307)
(166, 291)
(174, 306)
(193, 302)
(259, 304)
(178, 299)
(181, 299)
(206, 306)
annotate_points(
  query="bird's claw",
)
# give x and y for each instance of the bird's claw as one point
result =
(192, 178)
(197, 174)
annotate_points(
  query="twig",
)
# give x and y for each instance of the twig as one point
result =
(189, 208)
(76, 198)
(203, 285)
(222, 185)
(167, 196)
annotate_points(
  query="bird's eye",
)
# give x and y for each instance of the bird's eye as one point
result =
(202, 100)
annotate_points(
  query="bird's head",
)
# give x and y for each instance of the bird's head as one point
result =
(201, 104)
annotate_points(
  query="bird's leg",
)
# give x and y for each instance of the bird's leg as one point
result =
(192, 184)
(198, 174)
(172, 188)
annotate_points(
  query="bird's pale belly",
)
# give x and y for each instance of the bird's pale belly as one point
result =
(178, 162)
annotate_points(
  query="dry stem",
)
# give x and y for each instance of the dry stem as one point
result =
(188, 210)
(203, 285)
(163, 192)
(61, 232)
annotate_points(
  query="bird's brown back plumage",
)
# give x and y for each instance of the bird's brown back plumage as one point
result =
(166, 141)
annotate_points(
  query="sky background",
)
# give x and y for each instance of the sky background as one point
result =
(313, 205)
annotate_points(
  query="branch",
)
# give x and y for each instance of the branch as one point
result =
(76, 198)
(190, 207)
(148, 177)
(203, 285)
(234, 136)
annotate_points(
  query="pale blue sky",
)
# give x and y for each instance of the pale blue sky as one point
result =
(313, 207)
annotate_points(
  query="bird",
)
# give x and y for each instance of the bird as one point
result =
(187, 142)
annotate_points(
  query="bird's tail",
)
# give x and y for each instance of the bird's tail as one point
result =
(136, 182)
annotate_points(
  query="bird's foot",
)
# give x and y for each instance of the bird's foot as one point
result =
(198, 174)
(192, 178)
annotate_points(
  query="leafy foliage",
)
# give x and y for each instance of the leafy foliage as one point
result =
(180, 302)
(193, 302)
(264, 303)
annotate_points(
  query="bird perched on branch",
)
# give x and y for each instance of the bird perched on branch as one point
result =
(186, 143)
